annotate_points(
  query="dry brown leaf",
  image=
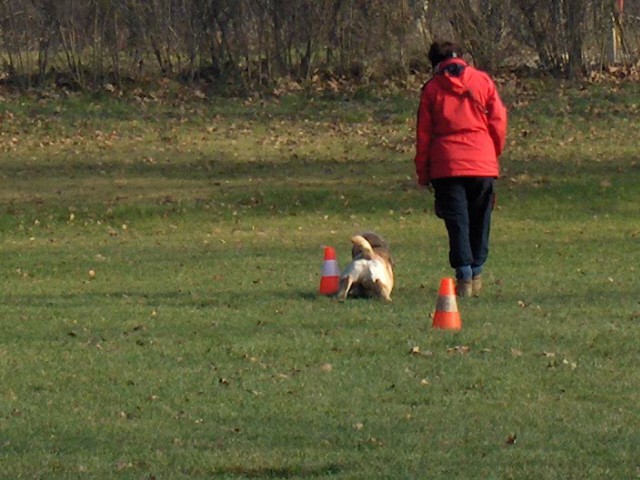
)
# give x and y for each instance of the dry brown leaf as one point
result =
(121, 465)
(416, 352)
(326, 367)
(461, 349)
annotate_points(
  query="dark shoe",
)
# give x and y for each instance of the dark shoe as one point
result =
(464, 288)
(476, 285)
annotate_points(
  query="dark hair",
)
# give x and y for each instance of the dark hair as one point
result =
(440, 51)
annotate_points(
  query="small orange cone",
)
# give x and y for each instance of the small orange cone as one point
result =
(330, 281)
(447, 316)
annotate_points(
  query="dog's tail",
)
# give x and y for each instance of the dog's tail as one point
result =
(365, 246)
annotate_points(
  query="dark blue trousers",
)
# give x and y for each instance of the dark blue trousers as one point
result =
(465, 204)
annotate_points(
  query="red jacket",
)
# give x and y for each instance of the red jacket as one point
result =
(462, 124)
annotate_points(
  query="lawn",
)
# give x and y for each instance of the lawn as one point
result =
(160, 316)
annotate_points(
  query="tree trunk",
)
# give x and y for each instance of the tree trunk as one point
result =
(575, 20)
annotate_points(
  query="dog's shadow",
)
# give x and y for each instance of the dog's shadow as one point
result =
(314, 296)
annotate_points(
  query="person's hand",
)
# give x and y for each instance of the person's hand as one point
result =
(428, 187)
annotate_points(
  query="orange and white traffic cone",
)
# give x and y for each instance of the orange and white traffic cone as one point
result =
(447, 316)
(330, 280)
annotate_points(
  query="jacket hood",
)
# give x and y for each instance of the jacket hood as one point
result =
(452, 75)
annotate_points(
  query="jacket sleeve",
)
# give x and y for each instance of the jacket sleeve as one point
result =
(423, 141)
(497, 116)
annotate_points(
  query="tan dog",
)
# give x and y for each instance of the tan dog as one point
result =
(370, 273)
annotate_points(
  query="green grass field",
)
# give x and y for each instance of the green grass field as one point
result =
(159, 314)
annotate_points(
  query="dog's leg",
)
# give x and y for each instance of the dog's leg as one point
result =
(345, 286)
(383, 291)
(349, 277)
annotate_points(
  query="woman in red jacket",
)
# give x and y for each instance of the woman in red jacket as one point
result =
(461, 132)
